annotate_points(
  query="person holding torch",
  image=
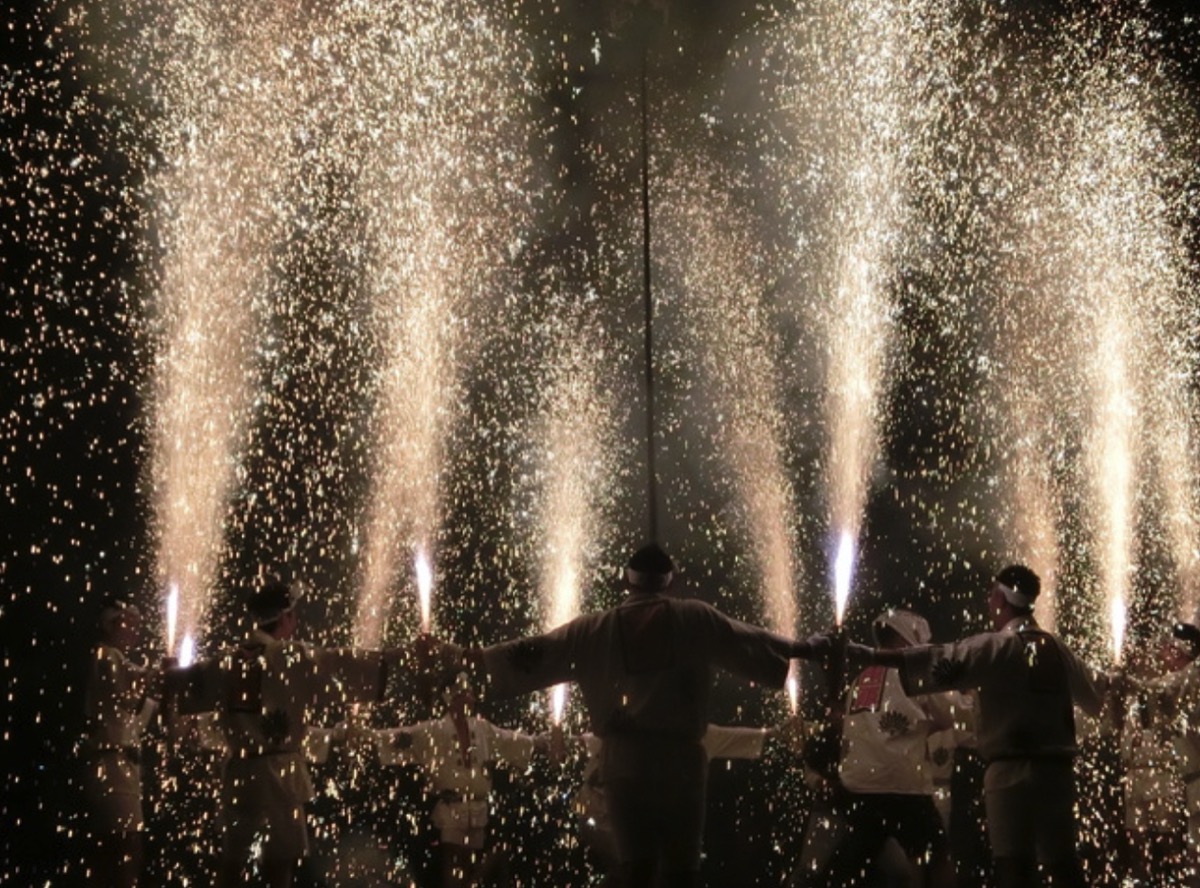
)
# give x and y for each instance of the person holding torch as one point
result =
(1028, 683)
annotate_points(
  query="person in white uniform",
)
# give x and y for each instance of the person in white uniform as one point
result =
(1168, 708)
(458, 752)
(262, 691)
(884, 784)
(120, 700)
(1152, 781)
(1028, 683)
(645, 672)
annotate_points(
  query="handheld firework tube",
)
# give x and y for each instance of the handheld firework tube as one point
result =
(166, 712)
(823, 750)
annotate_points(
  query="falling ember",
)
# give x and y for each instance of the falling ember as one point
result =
(1118, 618)
(424, 589)
(843, 573)
(558, 703)
(172, 616)
(187, 650)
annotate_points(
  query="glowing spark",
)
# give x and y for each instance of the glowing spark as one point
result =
(172, 616)
(187, 650)
(424, 589)
(558, 703)
(843, 573)
(792, 687)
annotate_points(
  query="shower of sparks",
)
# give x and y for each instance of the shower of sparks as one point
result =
(850, 102)
(211, 277)
(1101, 220)
(715, 282)
(572, 468)
(440, 112)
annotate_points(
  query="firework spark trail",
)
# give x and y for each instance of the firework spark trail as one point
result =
(856, 106)
(1121, 265)
(575, 454)
(575, 448)
(438, 110)
(214, 201)
(1176, 448)
(716, 273)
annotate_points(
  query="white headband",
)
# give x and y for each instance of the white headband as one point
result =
(1015, 598)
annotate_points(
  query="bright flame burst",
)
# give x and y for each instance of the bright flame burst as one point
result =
(424, 588)
(558, 703)
(843, 575)
(172, 616)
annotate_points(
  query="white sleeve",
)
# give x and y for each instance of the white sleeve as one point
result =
(734, 743)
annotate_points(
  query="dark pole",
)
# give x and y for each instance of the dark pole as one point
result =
(648, 301)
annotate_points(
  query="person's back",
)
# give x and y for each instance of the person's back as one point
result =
(645, 666)
(1028, 683)
(269, 685)
(645, 670)
(1026, 693)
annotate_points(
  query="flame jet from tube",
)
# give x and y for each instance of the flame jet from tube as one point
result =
(424, 573)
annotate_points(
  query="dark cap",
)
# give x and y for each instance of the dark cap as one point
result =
(1021, 585)
(271, 602)
(650, 569)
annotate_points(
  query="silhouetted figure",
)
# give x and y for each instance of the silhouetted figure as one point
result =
(261, 691)
(645, 671)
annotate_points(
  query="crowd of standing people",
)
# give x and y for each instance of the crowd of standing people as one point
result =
(879, 758)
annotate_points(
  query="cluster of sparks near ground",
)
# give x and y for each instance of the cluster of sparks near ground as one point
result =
(405, 122)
